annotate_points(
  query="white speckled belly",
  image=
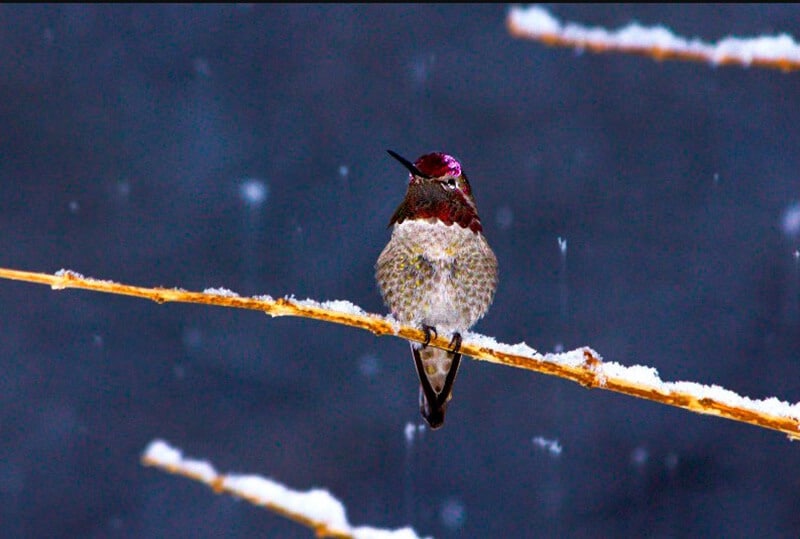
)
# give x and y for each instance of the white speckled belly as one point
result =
(439, 275)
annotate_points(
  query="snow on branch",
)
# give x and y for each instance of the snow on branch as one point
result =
(582, 365)
(658, 42)
(316, 509)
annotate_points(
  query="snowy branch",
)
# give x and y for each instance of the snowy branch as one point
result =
(658, 42)
(316, 509)
(582, 365)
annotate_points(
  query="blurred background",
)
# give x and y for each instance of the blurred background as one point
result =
(244, 146)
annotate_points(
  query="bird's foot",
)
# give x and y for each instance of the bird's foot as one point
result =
(428, 330)
(455, 342)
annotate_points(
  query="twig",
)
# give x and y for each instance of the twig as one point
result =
(316, 509)
(657, 42)
(582, 365)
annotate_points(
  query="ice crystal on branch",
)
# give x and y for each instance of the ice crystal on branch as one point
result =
(659, 42)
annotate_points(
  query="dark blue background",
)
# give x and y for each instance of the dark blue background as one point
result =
(127, 135)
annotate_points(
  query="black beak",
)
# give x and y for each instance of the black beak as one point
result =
(409, 165)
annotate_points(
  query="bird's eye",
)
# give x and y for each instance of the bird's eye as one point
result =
(450, 184)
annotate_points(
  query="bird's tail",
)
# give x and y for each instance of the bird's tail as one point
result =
(437, 371)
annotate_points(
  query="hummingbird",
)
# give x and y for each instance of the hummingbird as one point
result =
(437, 272)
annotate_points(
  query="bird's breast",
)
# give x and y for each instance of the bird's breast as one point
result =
(436, 274)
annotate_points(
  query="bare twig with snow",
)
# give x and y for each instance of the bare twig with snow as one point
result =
(582, 365)
(658, 42)
(316, 509)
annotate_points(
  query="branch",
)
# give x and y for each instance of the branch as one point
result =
(582, 365)
(315, 509)
(657, 42)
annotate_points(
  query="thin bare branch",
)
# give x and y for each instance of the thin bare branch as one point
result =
(657, 42)
(316, 509)
(582, 365)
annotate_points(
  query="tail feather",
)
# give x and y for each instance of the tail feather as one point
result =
(437, 371)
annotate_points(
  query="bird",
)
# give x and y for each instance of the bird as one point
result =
(437, 272)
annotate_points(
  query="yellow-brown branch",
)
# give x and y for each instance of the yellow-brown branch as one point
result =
(605, 43)
(203, 472)
(588, 372)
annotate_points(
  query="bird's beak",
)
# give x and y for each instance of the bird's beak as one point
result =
(409, 165)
